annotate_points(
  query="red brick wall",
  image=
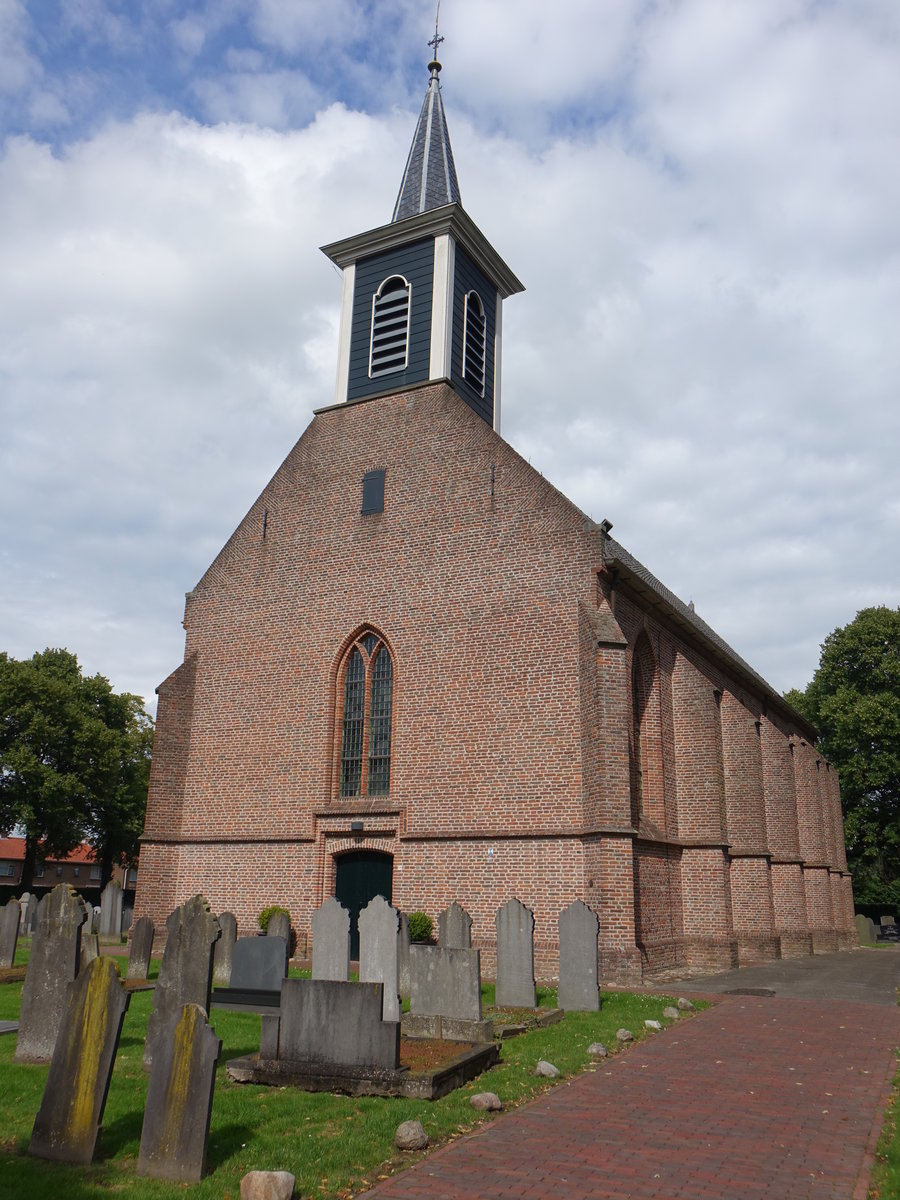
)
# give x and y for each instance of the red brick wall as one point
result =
(513, 707)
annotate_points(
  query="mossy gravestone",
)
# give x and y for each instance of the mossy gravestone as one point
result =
(179, 1100)
(141, 947)
(223, 956)
(68, 1122)
(53, 965)
(185, 974)
(9, 932)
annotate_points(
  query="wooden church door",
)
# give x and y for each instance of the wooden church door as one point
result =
(361, 876)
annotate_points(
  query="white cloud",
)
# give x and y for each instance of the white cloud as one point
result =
(702, 203)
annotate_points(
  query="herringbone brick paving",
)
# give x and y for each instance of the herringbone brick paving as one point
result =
(757, 1098)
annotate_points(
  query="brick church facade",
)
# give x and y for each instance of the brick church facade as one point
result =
(417, 667)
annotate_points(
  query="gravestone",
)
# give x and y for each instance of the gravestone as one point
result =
(455, 928)
(23, 905)
(328, 1024)
(53, 965)
(888, 920)
(10, 917)
(141, 948)
(280, 926)
(862, 928)
(515, 956)
(68, 1122)
(111, 910)
(379, 927)
(259, 964)
(403, 944)
(224, 951)
(578, 977)
(873, 930)
(185, 974)
(445, 982)
(90, 949)
(331, 941)
(179, 1099)
(31, 915)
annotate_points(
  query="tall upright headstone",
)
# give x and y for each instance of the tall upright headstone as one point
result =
(179, 1099)
(224, 952)
(52, 966)
(455, 928)
(379, 926)
(90, 948)
(403, 944)
(331, 941)
(68, 1123)
(23, 905)
(111, 910)
(578, 976)
(141, 948)
(185, 974)
(10, 916)
(515, 956)
(31, 915)
(280, 926)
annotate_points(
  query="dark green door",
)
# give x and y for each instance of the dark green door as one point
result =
(361, 876)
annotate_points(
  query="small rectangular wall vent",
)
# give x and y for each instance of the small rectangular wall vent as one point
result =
(373, 492)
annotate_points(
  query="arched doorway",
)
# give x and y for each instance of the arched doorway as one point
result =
(361, 876)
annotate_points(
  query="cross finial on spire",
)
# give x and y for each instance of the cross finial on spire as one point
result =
(434, 65)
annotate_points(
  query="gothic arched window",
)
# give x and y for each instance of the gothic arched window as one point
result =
(389, 345)
(474, 328)
(368, 685)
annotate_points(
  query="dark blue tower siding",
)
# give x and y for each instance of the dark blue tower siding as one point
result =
(469, 278)
(415, 262)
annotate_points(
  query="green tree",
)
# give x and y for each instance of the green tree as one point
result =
(854, 702)
(74, 760)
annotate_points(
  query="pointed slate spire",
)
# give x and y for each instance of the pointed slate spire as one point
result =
(429, 180)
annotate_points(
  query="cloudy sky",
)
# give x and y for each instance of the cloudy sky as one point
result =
(702, 198)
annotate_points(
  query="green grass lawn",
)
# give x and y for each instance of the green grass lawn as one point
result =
(335, 1145)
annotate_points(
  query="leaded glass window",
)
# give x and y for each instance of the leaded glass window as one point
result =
(380, 724)
(354, 724)
(366, 719)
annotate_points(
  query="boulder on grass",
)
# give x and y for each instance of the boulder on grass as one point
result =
(546, 1069)
(411, 1135)
(267, 1185)
(624, 1035)
(487, 1101)
(597, 1050)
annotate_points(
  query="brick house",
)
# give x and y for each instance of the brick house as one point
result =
(416, 668)
(79, 868)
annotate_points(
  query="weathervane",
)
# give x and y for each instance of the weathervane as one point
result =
(434, 65)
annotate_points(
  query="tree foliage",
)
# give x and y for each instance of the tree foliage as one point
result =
(74, 761)
(854, 702)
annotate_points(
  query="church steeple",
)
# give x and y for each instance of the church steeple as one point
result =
(429, 180)
(423, 295)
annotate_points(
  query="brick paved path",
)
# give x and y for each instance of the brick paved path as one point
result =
(757, 1097)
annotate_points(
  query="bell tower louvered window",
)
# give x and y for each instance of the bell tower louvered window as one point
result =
(389, 348)
(473, 342)
(365, 724)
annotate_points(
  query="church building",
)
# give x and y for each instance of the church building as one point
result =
(416, 669)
